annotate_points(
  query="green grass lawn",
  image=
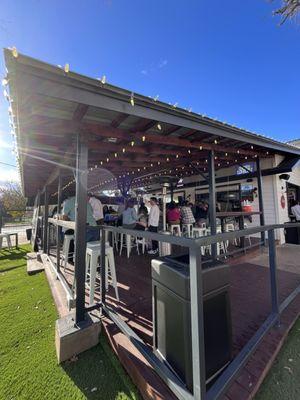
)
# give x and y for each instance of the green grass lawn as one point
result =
(28, 364)
(283, 381)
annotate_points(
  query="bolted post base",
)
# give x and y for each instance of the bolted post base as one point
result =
(71, 339)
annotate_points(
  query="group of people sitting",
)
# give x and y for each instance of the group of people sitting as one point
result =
(187, 213)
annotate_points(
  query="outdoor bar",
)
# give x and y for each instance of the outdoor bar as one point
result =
(77, 135)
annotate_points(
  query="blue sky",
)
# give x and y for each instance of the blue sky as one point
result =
(229, 60)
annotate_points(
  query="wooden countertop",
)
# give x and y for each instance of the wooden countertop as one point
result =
(236, 214)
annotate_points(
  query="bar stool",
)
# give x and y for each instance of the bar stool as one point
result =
(93, 252)
(199, 232)
(187, 230)
(8, 241)
(221, 246)
(66, 248)
(131, 242)
(229, 227)
(175, 229)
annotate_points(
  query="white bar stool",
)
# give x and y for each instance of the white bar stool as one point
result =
(175, 229)
(8, 241)
(187, 230)
(130, 242)
(66, 248)
(221, 246)
(93, 252)
(199, 232)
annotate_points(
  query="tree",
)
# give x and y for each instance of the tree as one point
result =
(12, 200)
(290, 9)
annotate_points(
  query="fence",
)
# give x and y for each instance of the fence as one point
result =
(220, 386)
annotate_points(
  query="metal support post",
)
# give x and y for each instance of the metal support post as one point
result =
(46, 214)
(260, 199)
(80, 226)
(103, 267)
(212, 200)
(273, 272)
(58, 228)
(197, 328)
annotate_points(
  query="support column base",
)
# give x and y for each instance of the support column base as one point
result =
(71, 339)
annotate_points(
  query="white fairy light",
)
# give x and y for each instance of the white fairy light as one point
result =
(132, 99)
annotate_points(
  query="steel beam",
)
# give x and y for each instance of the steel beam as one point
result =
(80, 226)
(212, 200)
(45, 225)
(58, 228)
(197, 328)
(273, 272)
(260, 198)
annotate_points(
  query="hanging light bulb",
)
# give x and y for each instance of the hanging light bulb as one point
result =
(67, 68)
(116, 155)
(143, 138)
(189, 151)
(4, 81)
(177, 155)
(156, 97)
(123, 149)
(200, 147)
(132, 143)
(107, 160)
(15, 52)
(215, 141)
(103, 80)
(175, 105)
(132, 99)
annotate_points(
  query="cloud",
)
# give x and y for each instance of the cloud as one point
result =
(9, 175)
(5, 144)
(162, 63)
(154, 67)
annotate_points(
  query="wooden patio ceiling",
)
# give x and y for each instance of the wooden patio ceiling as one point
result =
(127, 134)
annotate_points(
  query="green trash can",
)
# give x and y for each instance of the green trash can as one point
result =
(172, 316)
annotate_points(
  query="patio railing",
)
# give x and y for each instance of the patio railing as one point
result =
(222, 383)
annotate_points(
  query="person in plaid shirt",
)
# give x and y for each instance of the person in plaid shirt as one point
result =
(187, 216)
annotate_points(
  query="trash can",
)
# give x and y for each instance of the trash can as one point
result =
(172, 316)
(28, 233)
(164, 247)
(292, 235)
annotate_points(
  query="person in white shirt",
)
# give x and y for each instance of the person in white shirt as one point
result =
(295, 209)
(153, 222)
(97, 209)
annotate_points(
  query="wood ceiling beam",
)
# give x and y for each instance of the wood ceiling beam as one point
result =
(80, 112)
(45, 123)
(118, 121)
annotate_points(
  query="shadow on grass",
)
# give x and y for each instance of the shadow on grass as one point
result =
(99, 375)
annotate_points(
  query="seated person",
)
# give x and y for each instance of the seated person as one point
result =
(129, 215)
(173, 214)
(68, 214)
(187, 216)
(295, 209)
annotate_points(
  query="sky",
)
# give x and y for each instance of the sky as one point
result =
(226, 59)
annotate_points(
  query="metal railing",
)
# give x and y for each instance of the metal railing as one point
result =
(196, 295)
(197, 325)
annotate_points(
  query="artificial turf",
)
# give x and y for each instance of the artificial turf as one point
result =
(282, 382)
(28, 364)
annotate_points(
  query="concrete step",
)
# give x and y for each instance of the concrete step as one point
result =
(34, 264)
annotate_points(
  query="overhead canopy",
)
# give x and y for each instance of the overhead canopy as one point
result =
(127, 134)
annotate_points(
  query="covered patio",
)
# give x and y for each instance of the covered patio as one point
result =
(76, 134)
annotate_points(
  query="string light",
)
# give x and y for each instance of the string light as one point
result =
(189, 151)
(116, 155)
(67, 68)
(200, 147)
(159, 127)
(15, 52)
(107, 160)
(123, 150)
(215, 141)
(143, 138)
(103, 80)
(132, 99)
(177, 155)
(132, 143)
